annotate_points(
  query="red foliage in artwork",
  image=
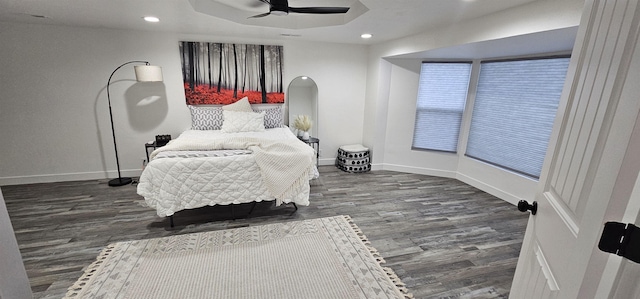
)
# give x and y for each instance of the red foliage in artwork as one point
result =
(203, 95)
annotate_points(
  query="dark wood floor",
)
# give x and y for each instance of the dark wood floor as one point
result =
(445, 239)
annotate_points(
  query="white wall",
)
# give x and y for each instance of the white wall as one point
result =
(340, 72)
(55, 124)
(53, 104)
(392, 91)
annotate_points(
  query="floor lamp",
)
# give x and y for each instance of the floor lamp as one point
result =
(144, 73)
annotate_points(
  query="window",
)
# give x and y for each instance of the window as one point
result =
(514, 110)
(442, 94)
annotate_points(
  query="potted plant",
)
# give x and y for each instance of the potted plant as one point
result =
(303, 123)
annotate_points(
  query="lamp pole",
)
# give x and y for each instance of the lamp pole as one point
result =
(120, 181)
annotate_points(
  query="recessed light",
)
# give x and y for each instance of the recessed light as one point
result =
(304, 77)
(290, 35)
(366, 35)
(151, 19)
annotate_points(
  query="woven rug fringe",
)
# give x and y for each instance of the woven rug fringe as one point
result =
(84, 280)
(376, 254)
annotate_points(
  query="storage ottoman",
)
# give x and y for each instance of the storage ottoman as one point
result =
(353, 158)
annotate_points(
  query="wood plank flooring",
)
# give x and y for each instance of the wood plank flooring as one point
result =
(444, 239)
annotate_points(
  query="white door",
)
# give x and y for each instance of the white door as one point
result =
(585, 177)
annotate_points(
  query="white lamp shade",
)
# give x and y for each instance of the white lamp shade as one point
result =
(148, 73)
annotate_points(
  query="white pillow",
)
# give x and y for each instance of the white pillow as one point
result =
(236, 121)
(241, 105)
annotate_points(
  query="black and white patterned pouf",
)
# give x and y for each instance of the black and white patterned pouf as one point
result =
(353, 158)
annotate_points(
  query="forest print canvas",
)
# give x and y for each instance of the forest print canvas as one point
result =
(217, 73)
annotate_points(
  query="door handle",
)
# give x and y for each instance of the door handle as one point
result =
(524, 206)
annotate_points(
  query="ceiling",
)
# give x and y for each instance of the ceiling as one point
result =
(384, 19)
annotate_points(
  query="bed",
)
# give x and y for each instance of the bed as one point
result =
(223, 165)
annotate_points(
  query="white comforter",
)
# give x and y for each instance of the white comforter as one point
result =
(175, 181)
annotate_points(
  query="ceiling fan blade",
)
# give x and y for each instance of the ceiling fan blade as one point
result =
(259, 3)
(319, 10)
(260, 15)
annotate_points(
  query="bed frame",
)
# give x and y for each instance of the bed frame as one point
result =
(253, 205)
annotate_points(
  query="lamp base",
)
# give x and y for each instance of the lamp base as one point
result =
(120, 182)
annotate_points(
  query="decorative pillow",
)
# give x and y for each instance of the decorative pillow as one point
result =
(237, 121)
(272, 117)
(206, 118)
(241, 105)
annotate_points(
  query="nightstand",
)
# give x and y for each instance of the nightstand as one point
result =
(315, 144)
(151, 145)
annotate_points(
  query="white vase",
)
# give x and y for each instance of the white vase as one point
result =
(305, 135)
(299, 133)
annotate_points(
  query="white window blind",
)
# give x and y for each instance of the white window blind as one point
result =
(513, 113)
(442, 95)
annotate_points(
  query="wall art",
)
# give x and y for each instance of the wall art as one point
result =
(219, 73)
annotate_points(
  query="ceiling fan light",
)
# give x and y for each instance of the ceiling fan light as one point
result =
(279, 13)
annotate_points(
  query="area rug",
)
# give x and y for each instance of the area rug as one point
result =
(318, 258)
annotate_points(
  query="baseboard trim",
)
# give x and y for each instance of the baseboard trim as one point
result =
(377, 166)
(66, 177)
(419, 170)
(506, 196)
(327, 161)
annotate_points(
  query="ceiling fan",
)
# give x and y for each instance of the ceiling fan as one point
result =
(282, 8)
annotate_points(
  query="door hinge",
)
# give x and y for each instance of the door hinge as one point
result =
(621, 239)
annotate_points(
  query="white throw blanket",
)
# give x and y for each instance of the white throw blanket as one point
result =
(285, 165)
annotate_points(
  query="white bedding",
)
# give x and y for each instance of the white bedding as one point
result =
(175, 181)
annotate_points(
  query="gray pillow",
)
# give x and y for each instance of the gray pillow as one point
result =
(206, 118)
(272, 117)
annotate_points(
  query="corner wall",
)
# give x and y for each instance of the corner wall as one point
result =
(392, 91)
